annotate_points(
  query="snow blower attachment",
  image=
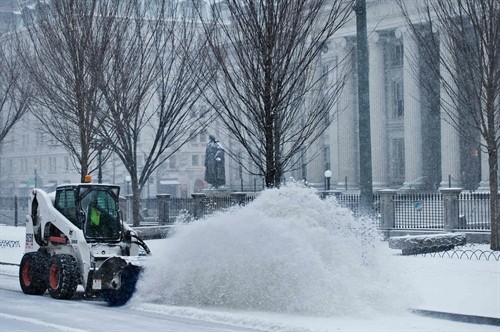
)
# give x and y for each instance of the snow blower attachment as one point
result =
(77, 237)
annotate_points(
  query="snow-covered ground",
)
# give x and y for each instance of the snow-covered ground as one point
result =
(292, 262)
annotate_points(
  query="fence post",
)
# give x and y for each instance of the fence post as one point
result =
(163, 208)
(198, 204)
(450, 208)
(387, 220)
(16, 210)
(238, 198)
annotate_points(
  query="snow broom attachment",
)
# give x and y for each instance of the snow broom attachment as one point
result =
(116, 280)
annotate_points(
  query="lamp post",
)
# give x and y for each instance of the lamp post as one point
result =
(328, 175)
(36, 184)
(128, 179)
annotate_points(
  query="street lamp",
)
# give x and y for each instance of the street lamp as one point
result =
(328, 175)
(36, 184)
(128, 179)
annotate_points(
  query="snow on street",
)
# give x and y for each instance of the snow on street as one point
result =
(286, 262)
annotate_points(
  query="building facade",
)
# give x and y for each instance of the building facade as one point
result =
(413, 148)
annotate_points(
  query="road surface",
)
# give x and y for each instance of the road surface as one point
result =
(20, 312)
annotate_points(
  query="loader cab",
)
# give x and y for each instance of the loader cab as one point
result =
(93, 208)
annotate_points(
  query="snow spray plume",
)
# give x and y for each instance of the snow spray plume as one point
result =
(287, 251)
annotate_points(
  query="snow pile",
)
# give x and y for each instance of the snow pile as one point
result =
(288, 251)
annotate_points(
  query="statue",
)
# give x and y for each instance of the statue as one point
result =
(215, 173)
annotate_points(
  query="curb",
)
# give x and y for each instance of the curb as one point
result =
(473, 319)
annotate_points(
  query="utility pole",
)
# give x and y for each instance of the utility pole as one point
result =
(365, 154)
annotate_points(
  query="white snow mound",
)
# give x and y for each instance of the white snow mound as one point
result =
(287, 251)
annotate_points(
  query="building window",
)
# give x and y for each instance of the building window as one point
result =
(39, 138)
(396, 55)
(397, 160)
(52, 164)
(397, 99)
(24, 166)
(326, 157)
(195, 160)
(203, 137)
(193, 137)
(172, 162)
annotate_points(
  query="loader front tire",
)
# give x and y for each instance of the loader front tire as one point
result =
(33, 273)
(63, 276)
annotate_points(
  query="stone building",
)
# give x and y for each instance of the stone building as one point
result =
(413, 148)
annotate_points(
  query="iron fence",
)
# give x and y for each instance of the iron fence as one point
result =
(13, 209)
(418, 210)
(351, 201)
(411, 210)
(474, 210)
(189, 208)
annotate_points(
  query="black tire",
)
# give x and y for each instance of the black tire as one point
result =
(120, 296)
(63, 276)
(33, 273)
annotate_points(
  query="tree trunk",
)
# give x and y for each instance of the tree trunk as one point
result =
(136, 201)
(84, 171)
(269, 134)
(136, 209)
(494, 216)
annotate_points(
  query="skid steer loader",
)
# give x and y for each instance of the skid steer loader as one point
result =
(77, 237)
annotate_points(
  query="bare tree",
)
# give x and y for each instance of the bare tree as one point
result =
(151, 88)
(270, 92)
(467, 35)
(63, 43)
(15, 92)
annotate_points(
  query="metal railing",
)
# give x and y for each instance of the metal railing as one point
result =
(474, 211)
(411, 210)
(351, 201)
(414, 210)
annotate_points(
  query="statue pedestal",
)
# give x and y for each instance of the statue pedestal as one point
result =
(217, 192)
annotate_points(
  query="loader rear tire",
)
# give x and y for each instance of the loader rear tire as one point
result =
(63, 276)
(33, 273)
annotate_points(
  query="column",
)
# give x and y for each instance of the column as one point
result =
(338, 44)
(347, 131)
(450, 139)
(378, 112)
(412, 111)
(485, 169)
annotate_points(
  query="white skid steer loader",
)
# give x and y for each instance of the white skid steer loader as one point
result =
(77, 237)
